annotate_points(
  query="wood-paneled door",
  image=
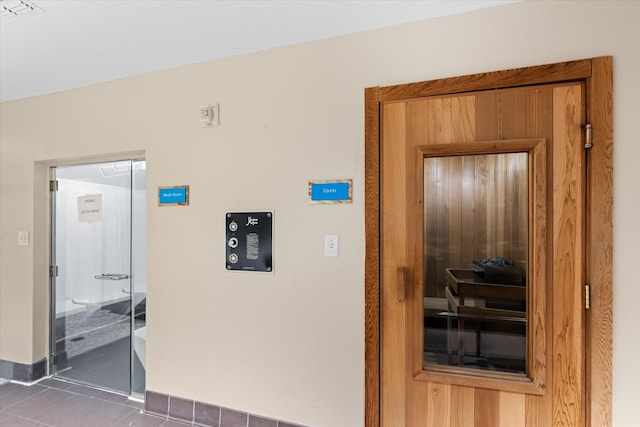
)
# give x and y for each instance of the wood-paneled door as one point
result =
(448, 194)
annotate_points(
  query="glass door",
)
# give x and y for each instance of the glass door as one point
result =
(138, 276)
(98, 292)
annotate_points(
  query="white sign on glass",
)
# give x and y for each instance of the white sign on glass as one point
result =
(90, 208)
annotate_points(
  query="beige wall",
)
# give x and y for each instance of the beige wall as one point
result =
(289, 344)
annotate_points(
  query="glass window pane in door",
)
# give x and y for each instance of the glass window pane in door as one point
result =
(476, 228)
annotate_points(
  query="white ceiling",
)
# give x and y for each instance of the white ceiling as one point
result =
(74, 43)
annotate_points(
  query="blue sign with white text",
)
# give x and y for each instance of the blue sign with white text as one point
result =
(173, 196)
(339, 191)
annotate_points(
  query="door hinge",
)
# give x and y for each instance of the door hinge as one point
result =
(588, 136)
(587, 297)
(53, 271)
(53, 185)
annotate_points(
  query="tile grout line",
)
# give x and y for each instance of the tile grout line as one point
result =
(87, 395)
(22, 400)
(70, 392)
(27, 419)
(79, 393)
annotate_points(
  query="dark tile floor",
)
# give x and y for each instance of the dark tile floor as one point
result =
(55, 403)
(107, 366)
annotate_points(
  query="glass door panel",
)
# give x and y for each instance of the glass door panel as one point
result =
(139, 277)
(93, 295)
(476, 244)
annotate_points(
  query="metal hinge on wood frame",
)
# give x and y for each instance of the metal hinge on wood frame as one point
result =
(53, 185)
(587, 297)
(588, 136)
(53, 271)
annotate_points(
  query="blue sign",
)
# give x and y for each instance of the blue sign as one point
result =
(168, 196)
(330, 191)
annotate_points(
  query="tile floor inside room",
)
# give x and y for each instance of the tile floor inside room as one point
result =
(55, 403)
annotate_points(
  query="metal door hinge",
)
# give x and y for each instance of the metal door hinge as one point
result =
(588, 136)
(53, 185)
(587, 297)
(53, 271)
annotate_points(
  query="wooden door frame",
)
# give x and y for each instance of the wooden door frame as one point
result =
(597, 73)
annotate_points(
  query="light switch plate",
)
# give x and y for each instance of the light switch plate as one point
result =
(23, 238)
(331, 244)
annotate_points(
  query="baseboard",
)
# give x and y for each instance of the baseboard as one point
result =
(204, 414)
(26, 373)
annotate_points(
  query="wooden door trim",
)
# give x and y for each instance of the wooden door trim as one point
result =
(372, 257)
(597, 73)
(528, 76)
(599, 257)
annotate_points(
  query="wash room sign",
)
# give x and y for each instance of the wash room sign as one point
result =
(249, 241)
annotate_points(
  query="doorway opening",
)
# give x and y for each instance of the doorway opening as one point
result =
(98, 275)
